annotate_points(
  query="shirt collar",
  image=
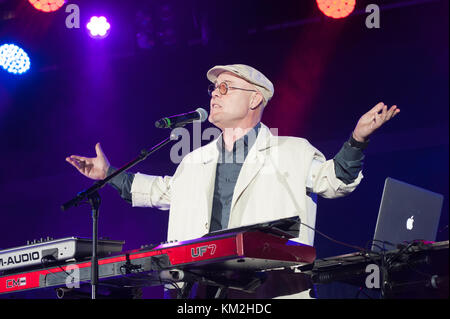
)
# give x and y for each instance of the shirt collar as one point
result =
(248, 140)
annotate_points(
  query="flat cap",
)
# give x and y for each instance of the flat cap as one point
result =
(247, 73)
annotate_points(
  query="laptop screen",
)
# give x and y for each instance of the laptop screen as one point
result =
(406, 213)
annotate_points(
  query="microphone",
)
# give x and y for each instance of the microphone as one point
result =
(182, 119)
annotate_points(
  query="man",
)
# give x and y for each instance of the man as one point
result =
(247, 175)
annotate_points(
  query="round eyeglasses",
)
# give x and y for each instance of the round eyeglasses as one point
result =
(223, 88)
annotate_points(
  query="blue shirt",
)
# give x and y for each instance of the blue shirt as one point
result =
(227, 172)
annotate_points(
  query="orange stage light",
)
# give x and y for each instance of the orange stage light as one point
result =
(47, 5)
(336, 8)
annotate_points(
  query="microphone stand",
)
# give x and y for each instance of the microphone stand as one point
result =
(92, 197)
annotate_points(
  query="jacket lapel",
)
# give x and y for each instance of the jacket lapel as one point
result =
(209, 160)
(253, 164)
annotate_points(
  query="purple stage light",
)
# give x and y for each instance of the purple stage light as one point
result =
(98, 27)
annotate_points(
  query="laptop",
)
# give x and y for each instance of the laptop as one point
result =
(407, 213)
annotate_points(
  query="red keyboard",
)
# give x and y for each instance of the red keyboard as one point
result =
(241, 251)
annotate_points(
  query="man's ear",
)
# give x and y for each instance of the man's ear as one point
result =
(256, 101)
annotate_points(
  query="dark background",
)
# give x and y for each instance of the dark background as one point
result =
(326, 73)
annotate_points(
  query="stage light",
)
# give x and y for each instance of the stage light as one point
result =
(98, 27)
(336, 8)
(13, 59)
(47, 5)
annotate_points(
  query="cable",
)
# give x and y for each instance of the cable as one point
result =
(405, 249)
(367, 253)
(166, 281)
(406, 246)
(384, 242)
(361, 249)
(46, 260)
(172, 283)
(388, 261)
(399, 253)
(282, 178)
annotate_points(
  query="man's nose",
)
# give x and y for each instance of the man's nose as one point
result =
(215, 93)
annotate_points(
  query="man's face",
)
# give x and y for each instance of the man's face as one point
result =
(232, 109)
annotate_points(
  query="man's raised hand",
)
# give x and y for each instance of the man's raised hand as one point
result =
(92, 167)
(373, 120)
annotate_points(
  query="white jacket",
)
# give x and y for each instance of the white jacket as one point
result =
(275, 181)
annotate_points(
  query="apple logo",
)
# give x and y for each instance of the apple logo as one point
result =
(409, 222)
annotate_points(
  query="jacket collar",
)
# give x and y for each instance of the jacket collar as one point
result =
(264, 140)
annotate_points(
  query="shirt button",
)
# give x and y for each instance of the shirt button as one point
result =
(206, 225)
